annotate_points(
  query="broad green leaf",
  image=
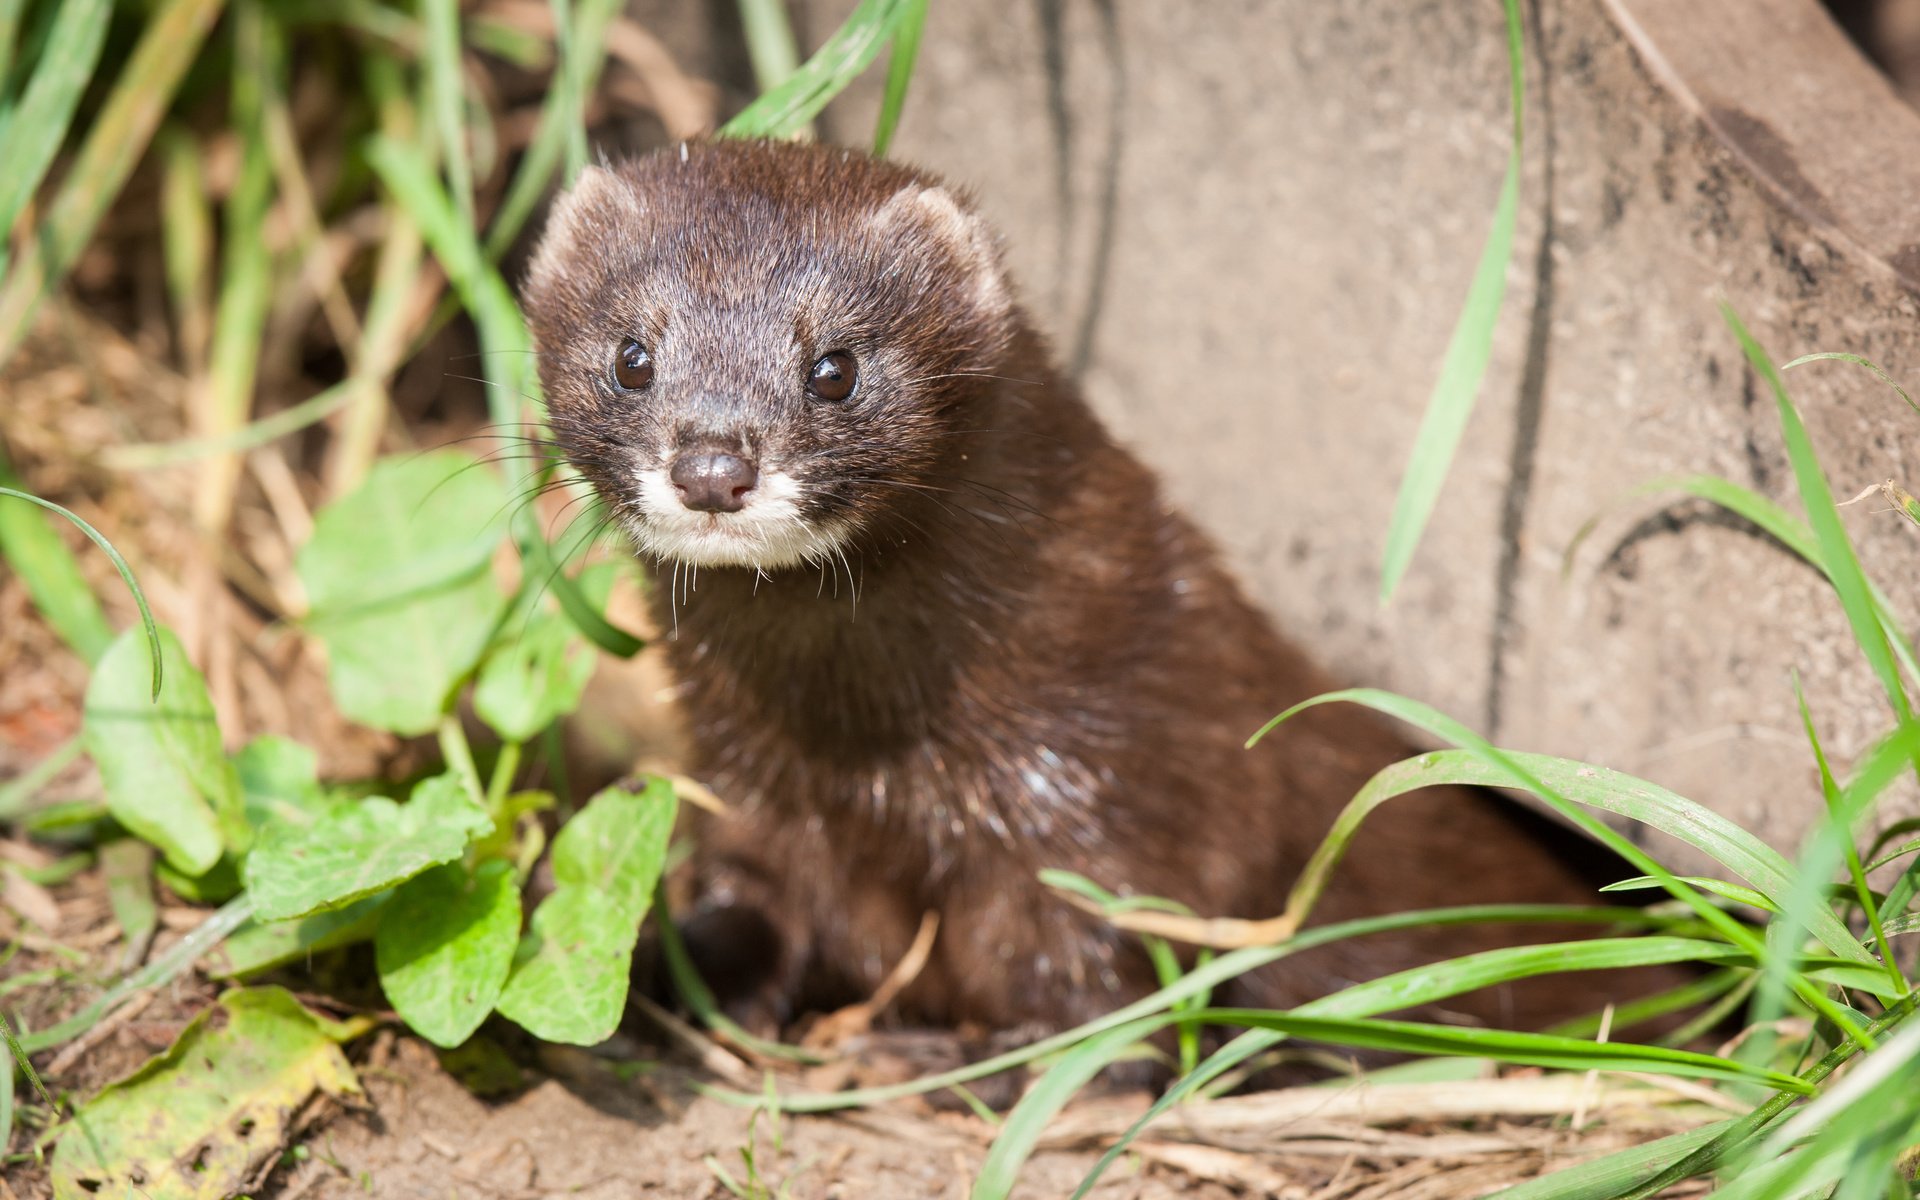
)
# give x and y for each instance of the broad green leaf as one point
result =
(397, 575)
(164, 770)
(616, 846)
(198, 1121)
(360, 849)
(445, 945)
(538, 668)
(279, 781)
(262, 945)
(570, 983)
(216, 885)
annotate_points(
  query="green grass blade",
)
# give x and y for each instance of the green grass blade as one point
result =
(119, 564)
(786, 109)
(900, 60)
(506, 345)
(115, 140)
(1605, 1177)
(1836, 550)
(246, 280)
(10, 13)
(1012, 1146)
(1857, 361)
(1836, 811)
(51, 575)
(161, 969)
(582, 58)
(447, 100)
(187, 244)
(1201, 979)
(38, 125)
(1445, 728)
(1468, 351)
(770, 44)
(1777, 523)
(1610, 791)
(15, 793)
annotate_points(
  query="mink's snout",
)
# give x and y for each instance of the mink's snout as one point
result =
(713, 480)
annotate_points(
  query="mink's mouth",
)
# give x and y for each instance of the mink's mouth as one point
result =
(769, 533)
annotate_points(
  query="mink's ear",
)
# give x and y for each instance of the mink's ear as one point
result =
(601, 206)
(933, 213)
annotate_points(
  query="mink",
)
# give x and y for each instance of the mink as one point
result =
(936, 631)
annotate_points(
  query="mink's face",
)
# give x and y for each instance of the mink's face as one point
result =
(759, 354)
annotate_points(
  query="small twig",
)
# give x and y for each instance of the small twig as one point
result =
(715, 1059)
(108, 1026)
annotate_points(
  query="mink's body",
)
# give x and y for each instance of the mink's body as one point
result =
(936, 630)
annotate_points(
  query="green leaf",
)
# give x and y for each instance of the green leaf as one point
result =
(445, 945)
(1468, 350)
(262, 945)
(538, 670)
(361, 848)
(397, 575)
(279, 781)
(570, 984)
(165, 772)
(197, 1122)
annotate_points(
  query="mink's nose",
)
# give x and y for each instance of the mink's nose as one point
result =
(709, 481)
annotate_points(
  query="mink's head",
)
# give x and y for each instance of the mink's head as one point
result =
(757, 352)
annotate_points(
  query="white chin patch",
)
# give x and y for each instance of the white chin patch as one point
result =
(769, 533)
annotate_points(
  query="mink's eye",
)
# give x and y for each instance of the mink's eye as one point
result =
(833, 377)
(632, 367)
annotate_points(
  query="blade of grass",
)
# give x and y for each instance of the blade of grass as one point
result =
(1836, 550)
(246, 282)
(900, 60)
(51, 574)
(165, 967)
(10, 14)
(1445, 728)
(186, 224)
(576, 144)
(1021, 1131)
(1856, 360)
(1201, 979)
(786, 109)
(1640, 800)
(119, 564)
(1603, 1178)
(114, 143)
(583, 56)
(770, 43)
(38, 124)
(1468, 351)
(1743, 1131)
(507, 347)
(446, 100)
(1776, 522)
(16, 792)
(1830, 789)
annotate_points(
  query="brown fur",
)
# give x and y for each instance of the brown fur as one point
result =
(1024, 659)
